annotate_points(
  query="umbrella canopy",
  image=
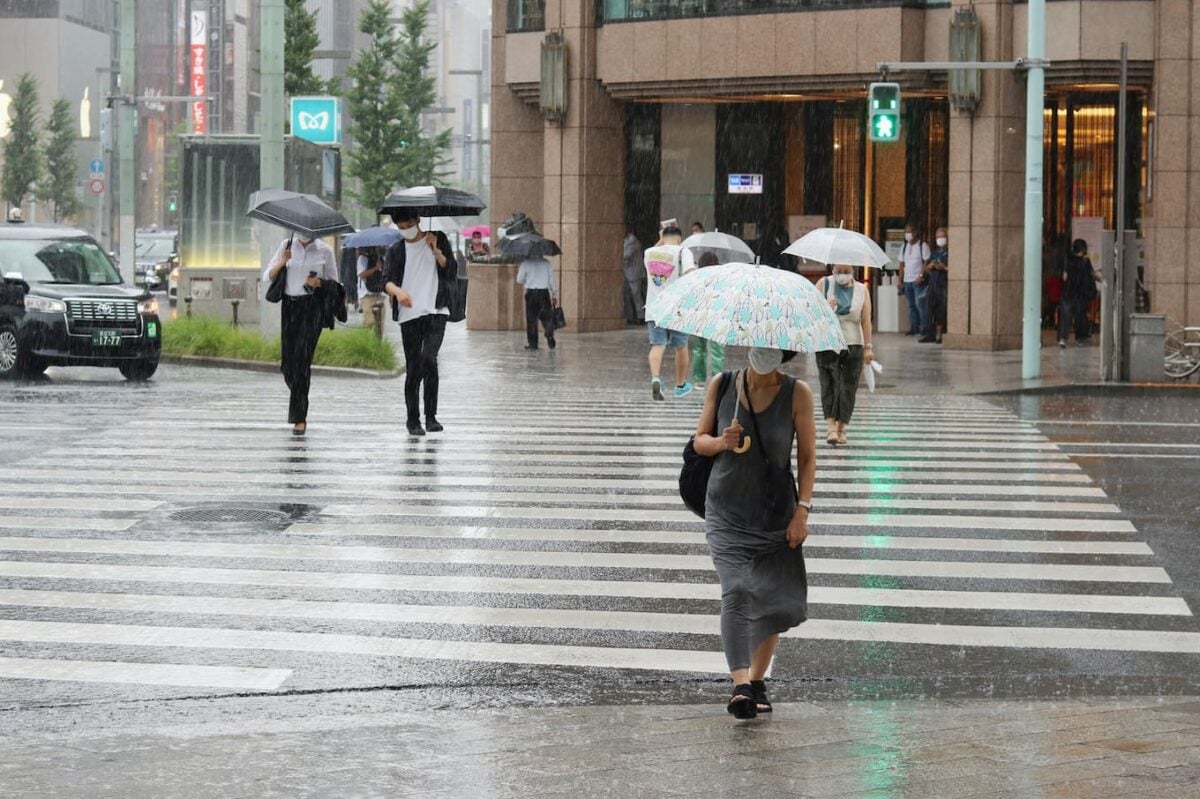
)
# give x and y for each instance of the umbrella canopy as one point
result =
(303, 213)
(482, 230)
(728, 249)
(444, 224)
(433, 201)
(834, 245)
(373, 237)
(749, 305)
(528, 245)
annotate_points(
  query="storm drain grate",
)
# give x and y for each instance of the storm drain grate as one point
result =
(229, 516)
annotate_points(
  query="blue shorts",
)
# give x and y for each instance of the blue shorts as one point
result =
(661, 337)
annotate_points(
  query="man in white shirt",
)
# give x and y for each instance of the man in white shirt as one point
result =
(420, 267)
(663, 264)
(370, 286)
(541, 298)
(914, 262)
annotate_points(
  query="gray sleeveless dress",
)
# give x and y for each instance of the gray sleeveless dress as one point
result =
(764, 587)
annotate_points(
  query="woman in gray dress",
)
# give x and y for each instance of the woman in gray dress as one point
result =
(756, 549)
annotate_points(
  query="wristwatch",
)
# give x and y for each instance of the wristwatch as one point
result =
(805, 504)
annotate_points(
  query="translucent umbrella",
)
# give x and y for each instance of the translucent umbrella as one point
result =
(728, 249)
(835, 245)
(749, 305)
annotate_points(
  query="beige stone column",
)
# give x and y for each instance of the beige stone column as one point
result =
(987, 170)
(1172, 215)
(584, 187)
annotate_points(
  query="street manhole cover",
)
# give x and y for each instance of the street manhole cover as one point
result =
(229, 516)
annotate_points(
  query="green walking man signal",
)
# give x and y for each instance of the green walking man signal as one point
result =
(883, 119)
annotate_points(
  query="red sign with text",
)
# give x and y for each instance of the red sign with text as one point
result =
(199, 74)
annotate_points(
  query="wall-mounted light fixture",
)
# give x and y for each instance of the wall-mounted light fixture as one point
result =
(553, 99)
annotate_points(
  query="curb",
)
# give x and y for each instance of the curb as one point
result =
(1088, 388)
(272, 368)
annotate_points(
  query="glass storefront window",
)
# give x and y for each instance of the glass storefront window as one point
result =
(634, 10)
(526, 15)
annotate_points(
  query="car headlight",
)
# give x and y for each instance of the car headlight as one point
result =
(44, 304)
(148, 307)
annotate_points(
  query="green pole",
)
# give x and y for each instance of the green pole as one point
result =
(271, 69)
(1031, 331)
(126, 113)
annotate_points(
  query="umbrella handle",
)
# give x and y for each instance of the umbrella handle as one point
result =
(745, 445)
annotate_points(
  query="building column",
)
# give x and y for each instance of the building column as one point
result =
(987, 184)
(1172, 216)
(583, 193)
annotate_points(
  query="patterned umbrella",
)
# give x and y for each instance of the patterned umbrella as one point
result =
(749, 305)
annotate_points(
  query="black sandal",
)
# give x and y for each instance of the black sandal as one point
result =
(742, 705)
(760, 696)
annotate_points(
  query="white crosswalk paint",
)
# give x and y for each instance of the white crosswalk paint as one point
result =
(64, 523)
(231, 678)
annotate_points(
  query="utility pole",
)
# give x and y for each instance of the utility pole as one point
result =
(126, 113)
(1035, 100)
(270, 142)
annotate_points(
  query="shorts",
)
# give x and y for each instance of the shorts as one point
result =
(661, 337)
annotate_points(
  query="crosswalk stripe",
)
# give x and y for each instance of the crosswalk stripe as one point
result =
(64, 523)
(72, 503)
(816, 520)
(1135, 548)
(232, 678)
(564, 559)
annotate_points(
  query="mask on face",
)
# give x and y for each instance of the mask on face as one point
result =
(502, 232)
(942, 241)
(908, 237)
(843, 278)
(764, 360)
(411, 233)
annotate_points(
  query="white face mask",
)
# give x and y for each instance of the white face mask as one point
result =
(411, 233)
(942, 241)
(764, 360)
(843, 278)
(908, 237)
(502, 232)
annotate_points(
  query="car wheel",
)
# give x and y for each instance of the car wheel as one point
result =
(10, 352)
(139, 371)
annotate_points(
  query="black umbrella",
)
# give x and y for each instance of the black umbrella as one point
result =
(303, 213)
(528, 245)
(433, 201)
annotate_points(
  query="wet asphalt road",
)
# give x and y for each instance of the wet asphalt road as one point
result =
(172, 541)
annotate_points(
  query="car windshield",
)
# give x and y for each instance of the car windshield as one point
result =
(58, 261)
(157, 249)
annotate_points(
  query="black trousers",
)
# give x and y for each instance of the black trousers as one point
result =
(839, 372)
(300, 322)
(538, 307)
(1074, 309)
(936, 303)
(422, 339)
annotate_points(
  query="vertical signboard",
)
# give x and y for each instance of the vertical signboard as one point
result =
(199, 71)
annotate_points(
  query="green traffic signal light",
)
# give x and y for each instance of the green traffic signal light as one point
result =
(883, 121)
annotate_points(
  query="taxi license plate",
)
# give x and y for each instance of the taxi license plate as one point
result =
(106, 338)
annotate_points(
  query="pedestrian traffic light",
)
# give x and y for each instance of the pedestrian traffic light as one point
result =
(172, 202)
(884, 112)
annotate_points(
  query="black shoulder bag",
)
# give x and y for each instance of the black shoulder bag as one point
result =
(780, 490)
(275, 290)
(697, 468)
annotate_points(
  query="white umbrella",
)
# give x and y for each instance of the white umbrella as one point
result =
(749, 305)
(728, 249)
(835, 245)
(445, 224)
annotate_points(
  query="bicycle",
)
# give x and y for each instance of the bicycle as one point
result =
(1182, 351)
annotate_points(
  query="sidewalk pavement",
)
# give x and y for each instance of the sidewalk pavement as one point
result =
(1128, 747)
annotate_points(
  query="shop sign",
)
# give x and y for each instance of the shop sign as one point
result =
(745, 183)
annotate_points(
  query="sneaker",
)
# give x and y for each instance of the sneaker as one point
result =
(1062, 343)
(684, 390)
(656, 389)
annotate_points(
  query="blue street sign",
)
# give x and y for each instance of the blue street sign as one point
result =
(97, 166)
(318, 119)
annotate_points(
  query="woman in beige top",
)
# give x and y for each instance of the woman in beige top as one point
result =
(839, 371)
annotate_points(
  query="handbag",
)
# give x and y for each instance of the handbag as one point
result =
(560, 318)
(781, 492)
(275, 290)
(456, 300)
(697, 468)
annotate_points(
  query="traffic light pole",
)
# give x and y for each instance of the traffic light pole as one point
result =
(1035, 65)
(126, 114)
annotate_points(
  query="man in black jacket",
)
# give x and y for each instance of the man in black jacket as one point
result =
(421, 271)
(1079, 287)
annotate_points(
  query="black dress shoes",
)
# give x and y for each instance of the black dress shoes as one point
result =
(415, 429)
(433, 425)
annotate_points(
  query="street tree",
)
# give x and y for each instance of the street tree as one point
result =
(301, 42)
(58, 188)
(374, 108)
(424, 156)
(22, 158)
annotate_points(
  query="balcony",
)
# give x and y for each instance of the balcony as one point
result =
(643, 10)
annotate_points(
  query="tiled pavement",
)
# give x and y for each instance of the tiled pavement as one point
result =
(1071, 749)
